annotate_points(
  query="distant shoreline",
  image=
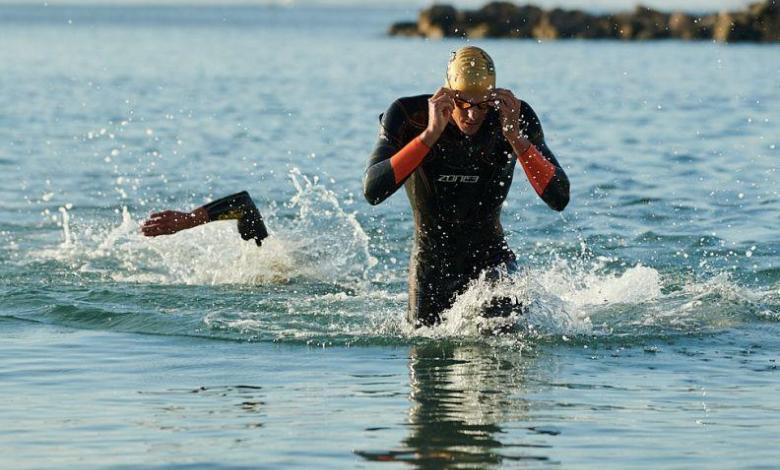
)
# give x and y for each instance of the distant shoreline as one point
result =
(759, 22)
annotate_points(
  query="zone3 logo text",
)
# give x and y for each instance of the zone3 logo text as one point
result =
(458, 179)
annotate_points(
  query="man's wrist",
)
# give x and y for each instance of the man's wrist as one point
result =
(519, 143)
(428, 137)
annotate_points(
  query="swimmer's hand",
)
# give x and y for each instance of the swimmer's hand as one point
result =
(170, 222)
(440, 107)
(509, 111)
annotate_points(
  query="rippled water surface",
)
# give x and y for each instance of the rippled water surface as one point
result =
(654, 300)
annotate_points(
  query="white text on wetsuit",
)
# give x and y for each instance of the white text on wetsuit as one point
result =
(458, 179)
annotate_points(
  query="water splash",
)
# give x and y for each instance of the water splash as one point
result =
(556, 300)
(315, 281)
(325, 233)
(571, 299)
(320, 241)
(68, 238)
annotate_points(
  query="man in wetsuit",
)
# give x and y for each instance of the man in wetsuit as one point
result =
(455, 153)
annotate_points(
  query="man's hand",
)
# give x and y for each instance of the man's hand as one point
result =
(170, 222)
(440, 107)
(509, 111)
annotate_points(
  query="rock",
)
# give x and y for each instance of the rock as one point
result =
(437, 21)
(507, 20)
(545, 29)
(404, 28)
(569, 24)
(766, 19)
(732, 27)
(642, 23)
(759, 22)
(500, 20)
(651, 24)
(682, 26)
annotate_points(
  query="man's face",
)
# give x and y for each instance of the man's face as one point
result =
(471, 108)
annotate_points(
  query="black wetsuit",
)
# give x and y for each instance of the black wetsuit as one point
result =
(241, 207)
(456, 196)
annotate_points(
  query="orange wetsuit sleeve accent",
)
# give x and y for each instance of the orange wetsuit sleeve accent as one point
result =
(537, 168)
(406, 160)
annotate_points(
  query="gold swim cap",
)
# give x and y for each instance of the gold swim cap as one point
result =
(471, 69)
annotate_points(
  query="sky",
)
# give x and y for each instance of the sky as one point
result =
(687, 5)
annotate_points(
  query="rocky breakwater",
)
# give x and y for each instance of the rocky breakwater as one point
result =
(760, 22)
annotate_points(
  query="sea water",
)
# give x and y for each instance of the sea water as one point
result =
(651, 334)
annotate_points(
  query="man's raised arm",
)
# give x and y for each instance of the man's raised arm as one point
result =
(392, 161)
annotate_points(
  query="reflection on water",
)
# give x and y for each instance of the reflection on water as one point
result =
(464, 403)
(194, 410)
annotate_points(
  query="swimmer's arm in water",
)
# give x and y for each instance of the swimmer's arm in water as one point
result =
(392, 163)
(237, 206)
(540, 165)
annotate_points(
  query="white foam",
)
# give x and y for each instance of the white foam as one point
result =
(635, 285)
(558, 300)
(322, 242)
